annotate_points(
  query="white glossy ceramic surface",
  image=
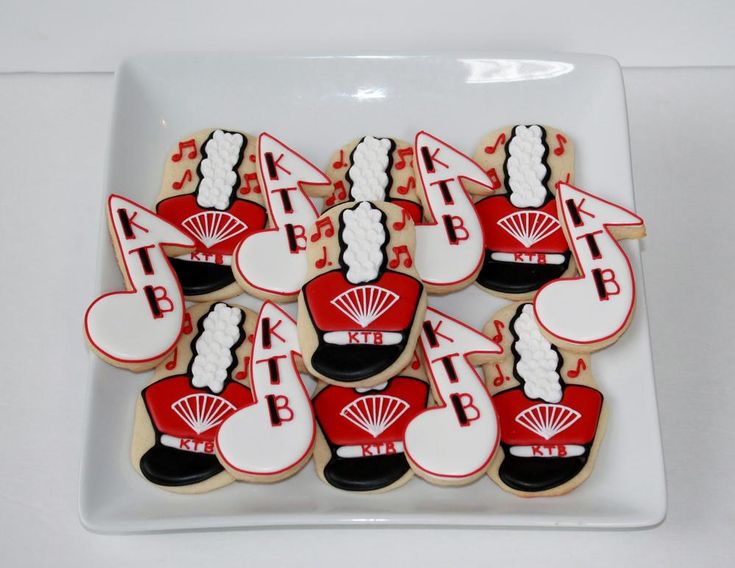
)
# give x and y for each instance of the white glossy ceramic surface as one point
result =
(315, 104)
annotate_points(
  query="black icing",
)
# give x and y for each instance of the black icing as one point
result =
(517, 277)
(175, 468)
(539, 474)
(199, 278)
(365, 474)
(352, 363)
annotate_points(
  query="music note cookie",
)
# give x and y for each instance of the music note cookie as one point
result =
(360, 441)
(592, 310)
(138, 328)
(375, 169)
(211, 191)
(271, 264)
(524, 243)
(272, 438)
(362, 304)
(552, 416)
(178, 414)
(449, 245)
(452, 443)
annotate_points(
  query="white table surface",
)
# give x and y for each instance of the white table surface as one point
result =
(53, 132)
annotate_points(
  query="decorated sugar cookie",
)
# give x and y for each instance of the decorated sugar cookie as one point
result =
(201, 384)
(271, 264)
(453, 442)
(449, 245)
(272, 438)
(552, 418)
(524, 243)
(375, 169)
(138, 328)
(361, 307)
(210, 191)
(590, 311)
(360, 441)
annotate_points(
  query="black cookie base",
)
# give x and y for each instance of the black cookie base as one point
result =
(175, 468)
(539, 474)
(366, 473)
(353, 363)
(199, 278)
(516, 277)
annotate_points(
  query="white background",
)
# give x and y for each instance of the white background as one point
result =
(53, 130)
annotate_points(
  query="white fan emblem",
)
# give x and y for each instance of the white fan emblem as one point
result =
(202, 411)
(529, 227)
(374, 414)
(547, 420)
(365, 304)
(212, 227)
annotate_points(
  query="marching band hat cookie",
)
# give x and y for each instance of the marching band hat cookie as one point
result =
(375, 169)
(210, 190)
(191, 394)
(361, 307)
(360, 441)
(552, 416)
(524, 244)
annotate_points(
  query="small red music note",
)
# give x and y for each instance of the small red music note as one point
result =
(339, 193)
(404, 189)
(172, 363)
(400, 225)
(242, 375)
(566, 180)
(325, 224)
(323, 261)
(400, 251)
(186, 328)
(415, 363)
(559, 150)
(494, 180)
(500, 140)
(404, 153)
(182, 146)
(498, 337)
(179, 184)
(574, 373)
(251, 184)
(251, 157)
(341, 162)
(500, 378)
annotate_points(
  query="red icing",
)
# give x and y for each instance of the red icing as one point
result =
(177, 210)
(585, 400)
(339, 430)
(411, 207)
(492, 209)
(320, 292)
(162, 396)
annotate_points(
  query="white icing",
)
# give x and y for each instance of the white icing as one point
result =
(377, 449)
(548, 451)
(214, 347)
(248, 441)
(363, 337)
(526, 167)
(364, 236)
(121, 325)
(369, 169)
(436, 442)
(264, 259)
(529, 258)
(378, 387)
(218, 174)
(571, 309)
(537, 361)
(440, 261)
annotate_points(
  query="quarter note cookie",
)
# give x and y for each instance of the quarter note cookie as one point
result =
(452, 443)
(271, 264)
(360, 442)
(138, 328)
(524, 244)
(552, 417)
(203, 382)
(362, 305)
(210, 190)
(375, 169)
(592, 310)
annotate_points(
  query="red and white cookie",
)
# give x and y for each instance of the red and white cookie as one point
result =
(138, 328)
(552, 417)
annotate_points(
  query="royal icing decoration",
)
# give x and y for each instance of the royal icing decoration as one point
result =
(223, 153)
(449, 250)
(273, 261)
(364, 234)
(369, 174)
(140, 326)
(526, 166)
(453, 442)
(275, 435)
(537, 362)
(213, 357)
(596, 306)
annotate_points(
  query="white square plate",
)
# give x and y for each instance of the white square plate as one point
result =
(316, 104)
